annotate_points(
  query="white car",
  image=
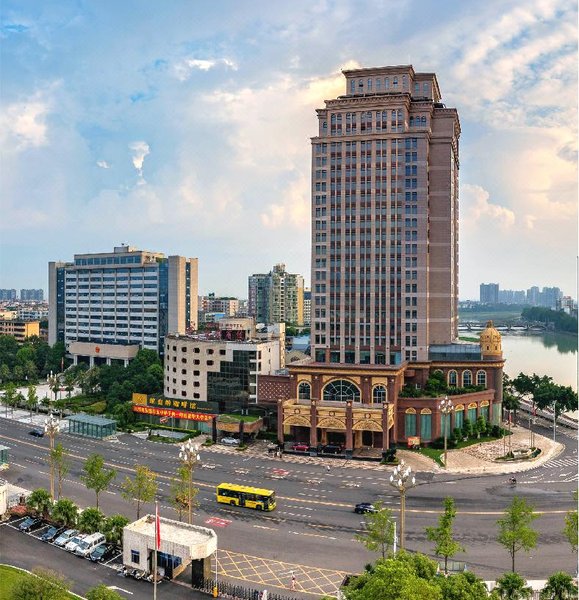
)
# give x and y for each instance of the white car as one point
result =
(73, 543)
(229, 441)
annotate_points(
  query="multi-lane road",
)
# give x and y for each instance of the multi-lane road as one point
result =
(314, 524)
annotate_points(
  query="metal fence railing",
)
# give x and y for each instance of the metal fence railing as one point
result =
(233, 591)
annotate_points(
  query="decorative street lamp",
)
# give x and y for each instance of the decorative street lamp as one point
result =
(401, 480)
(189, 454)
(51, 428)
(445, 408)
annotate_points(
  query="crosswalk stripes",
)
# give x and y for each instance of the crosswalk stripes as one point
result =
(570, 461)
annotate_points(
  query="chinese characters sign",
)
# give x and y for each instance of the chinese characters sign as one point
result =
(167, 412)
(174, 403)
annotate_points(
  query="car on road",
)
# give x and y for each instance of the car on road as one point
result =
(90, 542)
(65, 537)
(229, 441)
(36, 432)
(365, 507)
(30, 524)
(51, 533)
(73, 543)
(301, 447)
(102, 553)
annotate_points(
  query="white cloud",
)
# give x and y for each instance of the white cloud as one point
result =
(23, 124)
(103, 164)
(140, 150)
(185, 68)
(480, 209)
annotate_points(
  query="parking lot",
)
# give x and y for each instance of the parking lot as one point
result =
(113, 562)
(26, 551)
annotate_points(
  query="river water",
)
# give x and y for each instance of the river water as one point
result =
(553, 354)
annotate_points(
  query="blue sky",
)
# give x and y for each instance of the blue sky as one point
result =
(184, 127)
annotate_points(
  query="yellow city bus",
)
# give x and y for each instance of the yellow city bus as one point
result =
(243, 495)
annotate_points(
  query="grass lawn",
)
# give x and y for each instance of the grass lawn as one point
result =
(9, 576)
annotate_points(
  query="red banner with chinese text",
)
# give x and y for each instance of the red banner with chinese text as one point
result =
(167, 412)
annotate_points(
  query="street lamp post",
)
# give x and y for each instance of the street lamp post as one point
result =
(51, 428)
(554, 419)
(445, 408)
(402, 479)
(189, 454)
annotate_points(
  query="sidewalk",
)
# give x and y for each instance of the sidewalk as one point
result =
(478, 458)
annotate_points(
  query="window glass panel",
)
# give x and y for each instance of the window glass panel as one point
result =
(426, 427)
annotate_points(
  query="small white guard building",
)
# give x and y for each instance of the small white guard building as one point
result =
(181, 544)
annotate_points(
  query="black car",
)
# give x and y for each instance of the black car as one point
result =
(331, 449)
(365, 507)
(36, 432)
(51, 533)
(30, 524)
(102, 552)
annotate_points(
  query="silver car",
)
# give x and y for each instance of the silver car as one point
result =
(229, 441)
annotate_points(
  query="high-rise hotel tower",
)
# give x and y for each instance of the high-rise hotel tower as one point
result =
(384, 220)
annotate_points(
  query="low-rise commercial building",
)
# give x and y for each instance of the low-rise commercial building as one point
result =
(181, 545)
(19, 329)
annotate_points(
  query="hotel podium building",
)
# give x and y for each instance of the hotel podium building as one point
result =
(384, 297)
(107, 306)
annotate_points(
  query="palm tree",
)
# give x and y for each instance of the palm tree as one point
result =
(39, 502)
(560, 586)
(65, 512)
(511, 586)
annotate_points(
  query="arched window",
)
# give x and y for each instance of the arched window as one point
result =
(304, 391)
(411, 121)
(459, 416)
(379, 394)
(423, 120)
(481, 378)
(452, 379)
(466, 378)
(341, 390)
(426, 424)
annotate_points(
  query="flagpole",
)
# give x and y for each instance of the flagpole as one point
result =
(157, 541)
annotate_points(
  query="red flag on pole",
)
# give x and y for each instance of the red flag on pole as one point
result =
(157, 526)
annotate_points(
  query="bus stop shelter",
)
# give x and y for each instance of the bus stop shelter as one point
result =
(91, 426)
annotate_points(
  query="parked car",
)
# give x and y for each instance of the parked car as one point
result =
(36, 432)
(65, 537)
(30, 524)
(71, 545)
(102, 552)
(331, 449)
(301, 447)
(51, 533)
(229, 441)
(90, 542)
(365, 507)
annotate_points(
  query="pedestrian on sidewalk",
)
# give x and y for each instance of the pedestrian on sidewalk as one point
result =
(293, 581)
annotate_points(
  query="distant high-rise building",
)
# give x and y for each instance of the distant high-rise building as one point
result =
(533, 296)
(276, 297)
(36, 295)
(550, 297)
(489, 293)
(226, 305)
(6, 294)
(107, 306)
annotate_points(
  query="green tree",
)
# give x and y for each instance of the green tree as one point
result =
(10, 398)
(463, 586)
(560, 586)
(39, 502)
(379, 530)
(90, 520)
(141, 489)
(113, 528)
(102, 592)
(18, 373)
(179, 492)
(31, 400)
(69, 379)
(5, 374)
(399, 577)
(442, 536)
(511, 586)
(515, 531)
(59, 461)
(41, 584)
(65, 512)
(30, 372)
(561, 397)
(570, 530)
(96, 477)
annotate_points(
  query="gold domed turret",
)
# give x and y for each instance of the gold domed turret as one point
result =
(490, 342)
